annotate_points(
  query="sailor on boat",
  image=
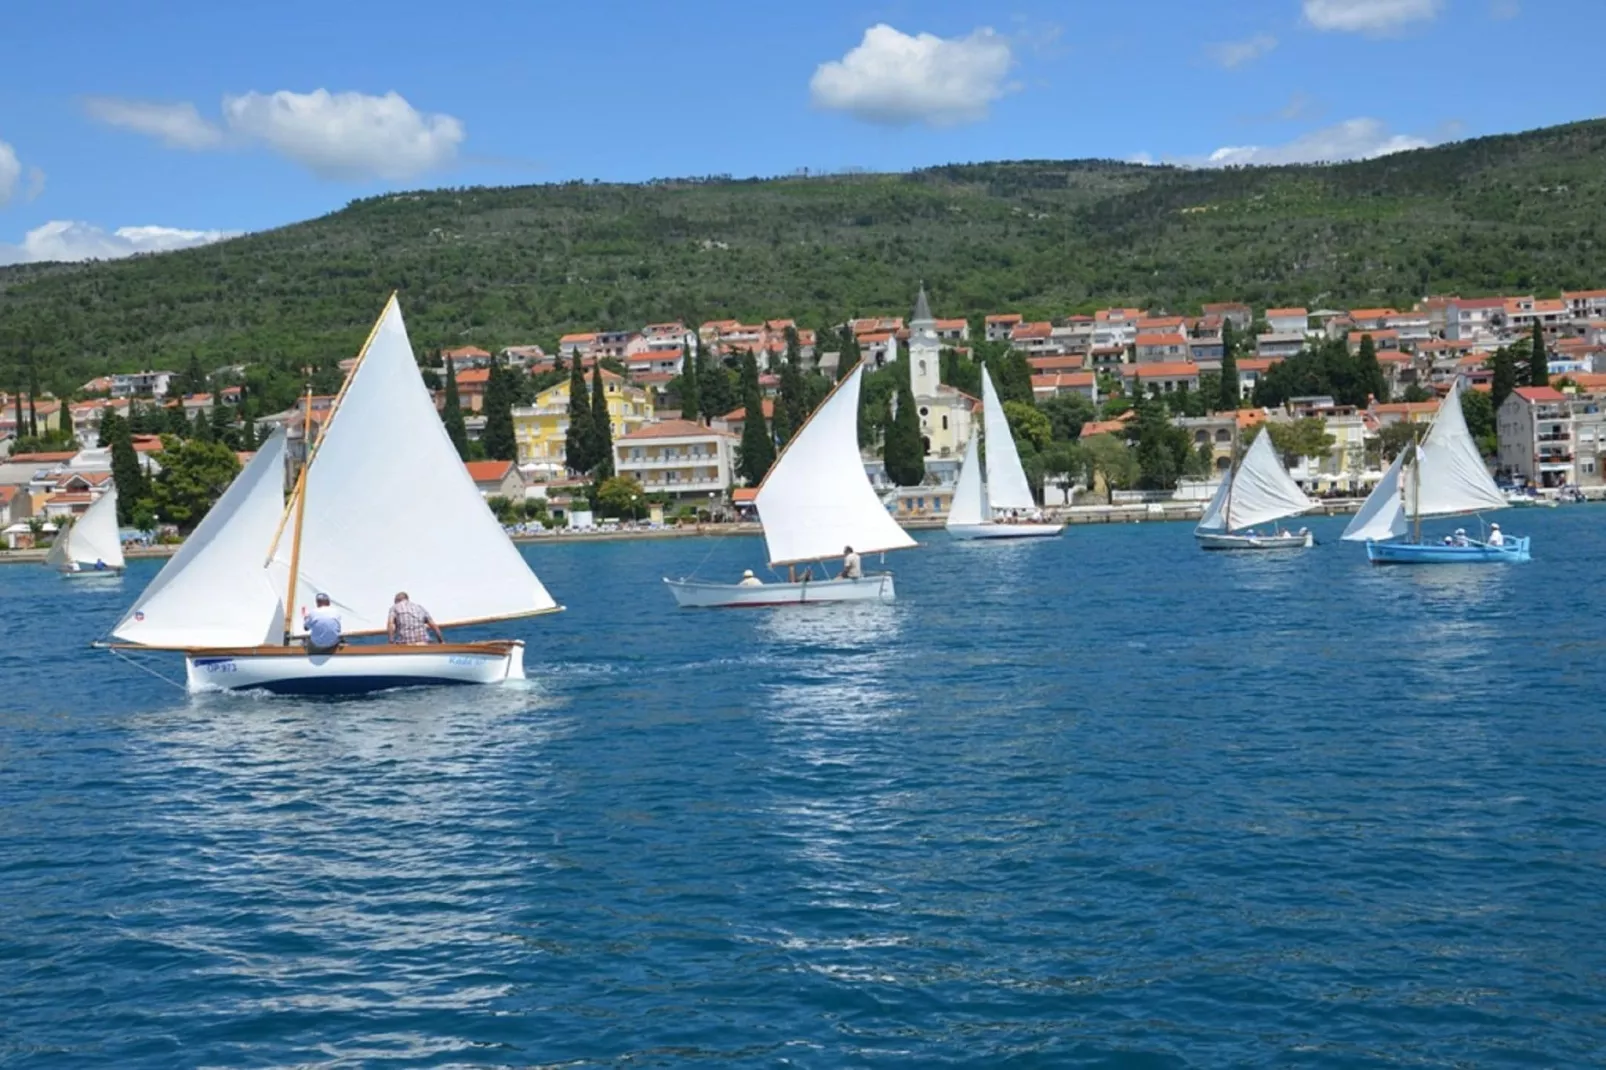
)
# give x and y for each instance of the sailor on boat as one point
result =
(1495, 538)
(851, 569)
(410, 624)
(750, 580)
(323, 627)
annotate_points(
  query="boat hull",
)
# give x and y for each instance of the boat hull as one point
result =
(1005, 531)
(1514, 551)
(90, 573)
(1294, 540)
(693, 594)
(352, 670)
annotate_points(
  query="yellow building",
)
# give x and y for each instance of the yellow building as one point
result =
(541, 428)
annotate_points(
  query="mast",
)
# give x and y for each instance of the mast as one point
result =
(1232, 472)
(301, 512)
(1416, 491)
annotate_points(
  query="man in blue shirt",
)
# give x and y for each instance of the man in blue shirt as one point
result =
(323, 627)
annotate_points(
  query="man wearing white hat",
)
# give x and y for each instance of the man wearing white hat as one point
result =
(1495, 538)
(750, 580)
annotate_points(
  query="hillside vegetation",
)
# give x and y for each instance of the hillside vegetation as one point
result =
(500, 266)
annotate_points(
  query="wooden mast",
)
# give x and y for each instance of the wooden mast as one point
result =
(1416, 490)
(301, 512)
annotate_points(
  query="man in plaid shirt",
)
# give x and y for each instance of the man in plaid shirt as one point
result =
(410, 623)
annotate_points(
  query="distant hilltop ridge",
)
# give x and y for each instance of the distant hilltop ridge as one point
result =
(494, 267)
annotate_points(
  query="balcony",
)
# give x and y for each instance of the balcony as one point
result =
(697, 460)
(1554, 436)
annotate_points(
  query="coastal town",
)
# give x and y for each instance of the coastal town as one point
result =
(673, 456)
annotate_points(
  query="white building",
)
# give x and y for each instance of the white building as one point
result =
(680, 458)
(945, 413)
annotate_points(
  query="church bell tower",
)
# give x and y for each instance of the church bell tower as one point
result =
(925, 349)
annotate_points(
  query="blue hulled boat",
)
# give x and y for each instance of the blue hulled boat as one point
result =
(1440, 475)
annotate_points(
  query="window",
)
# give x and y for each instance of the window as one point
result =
(922, 368)
(924, 411)
(945, 422)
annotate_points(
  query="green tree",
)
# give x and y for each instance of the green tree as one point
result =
(847, 351)
(686, 386)
(1028, 425)
(1538, 359)
(498, 438)
(578, 439)
(621, 496)
(1294, 439)
(177, 421)
(791, 408)
(1065, 465)
(194, 475)
(201, 429)
(33, 398)
(904, 451)
(1229, 397)
(758, 449)
(1415, 394)
(601, 427)
(1394, 438)
(1478, 409)
(1504, 366)
(1162, 450)
(720, 389)
(1066, 414)
(1369, 371)
(127, 475)
(452, 413)
(1110, 459)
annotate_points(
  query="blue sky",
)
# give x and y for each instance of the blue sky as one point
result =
(122, 130)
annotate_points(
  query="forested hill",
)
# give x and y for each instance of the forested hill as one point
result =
(512, 265)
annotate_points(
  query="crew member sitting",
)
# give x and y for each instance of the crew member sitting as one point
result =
(1460, 536)
(410, 624)
(750, 580)
(1495, 538)
(323, 627)
(851, 569)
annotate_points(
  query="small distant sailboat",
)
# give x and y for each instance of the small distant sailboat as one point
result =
(352, 529)
(815, 501)
(970, 514)
(1445, 476)
(1258, 492)
(91, 546)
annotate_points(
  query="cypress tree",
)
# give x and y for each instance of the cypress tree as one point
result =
(1505, 376)
(1538, 360)
(498, 438)
(691, 398)
(577, 441)
(452, 413)
(903, 453)
(1369, 371)
(176, 421)
(33, 395)
(601, 427)
(202, 428)
(791, 408)
(1230, 395)
(758, 449)
(16, 396)
(127, 475)
(849, 355)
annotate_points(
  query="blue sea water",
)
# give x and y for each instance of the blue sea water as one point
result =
(1100, 801)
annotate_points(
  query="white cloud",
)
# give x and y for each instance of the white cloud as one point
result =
(178, 126)
(354, 136)
(1352, 139)
(10, 172)
(346, 135)
(62, 239)
(897, 79)
(1369, 16)
(1231, 54)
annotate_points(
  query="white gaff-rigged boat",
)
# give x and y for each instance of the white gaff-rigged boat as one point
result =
(970, 514)
(1258, 492)
(229, 598)
(92, 545)
(1445, 477)
(815, 501)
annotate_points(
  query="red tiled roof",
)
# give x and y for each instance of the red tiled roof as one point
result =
(473, 377)
(1582, 295)
(1162, 370)
(465, 351)
(41, 458)
(1106, 427)
(1285, 313)
(1055, 380)
(1006, 317)
(488, 471)
(738, 415)
(1032, 330)
(742, 495)
(1588, 382)
(1370, 313)
(575, 339)
(1539, 393)
(675, 429)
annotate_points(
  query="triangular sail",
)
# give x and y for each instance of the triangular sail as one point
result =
(1006, 479)
(1262, 489)
(215, 592)
(969, 505)
(389, 506)
(1382, 515)
(94, 538)
(1451, 474)
(816, 498)
(1214, 518)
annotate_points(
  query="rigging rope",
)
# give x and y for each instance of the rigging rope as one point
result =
(148, 669)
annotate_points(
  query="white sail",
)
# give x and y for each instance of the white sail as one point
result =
(58, 557)
(1006, 479)
(1451, 477)
(817, 499)
(388, 506)
(1262, 489)
(969, 505)
(1214, 518)
(215, 591)
(1382, 515)
(94, 537)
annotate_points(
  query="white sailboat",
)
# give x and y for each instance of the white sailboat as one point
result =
(1445, 476)
(815, 501)
(1258, 492)
(92, 545)
(971, 513)
(231, 600)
